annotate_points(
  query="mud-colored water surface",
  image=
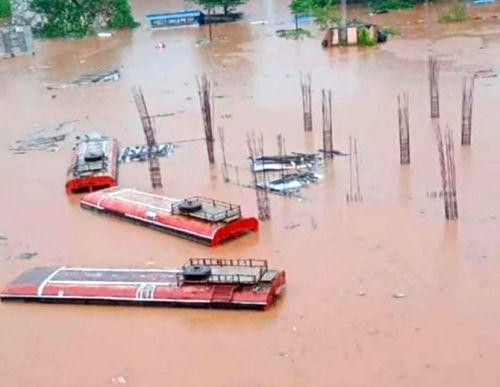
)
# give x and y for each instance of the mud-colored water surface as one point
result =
(338, 323)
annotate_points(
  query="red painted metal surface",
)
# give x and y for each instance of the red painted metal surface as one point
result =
(156, 211)
(87, 176)
(147, 287)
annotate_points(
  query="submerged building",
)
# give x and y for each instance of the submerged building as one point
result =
(350, 34)
(188, 17)
(16, 41)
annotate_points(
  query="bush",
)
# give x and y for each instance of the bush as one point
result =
(455, 14)
(77, 18)
(327, 16)
(390, 5)
(390, 31)
(364, 38)
(5, 9)
(294, 34)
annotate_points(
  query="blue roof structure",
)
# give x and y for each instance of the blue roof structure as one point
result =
(175, 15)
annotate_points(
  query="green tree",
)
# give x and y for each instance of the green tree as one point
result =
(300, 8)
(120, 15)
(327, 16)
(4, 9)
(227, 5)
(79, 17)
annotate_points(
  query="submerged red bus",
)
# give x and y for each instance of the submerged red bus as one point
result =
(200, 219)
(94, 165)
(209, 282)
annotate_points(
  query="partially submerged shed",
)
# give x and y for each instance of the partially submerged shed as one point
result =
(16, 41)
(349, 35)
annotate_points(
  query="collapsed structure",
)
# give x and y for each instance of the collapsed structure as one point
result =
(295, 171)
(145, 152)
(229, 283)
(94, 165)
(294, 161)
(200, 219)
(89, 79)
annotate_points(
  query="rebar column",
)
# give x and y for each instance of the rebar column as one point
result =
(467, 103)
(305, 85)
(326, 109)
(206, 102)
(404, 128)
(434, 85)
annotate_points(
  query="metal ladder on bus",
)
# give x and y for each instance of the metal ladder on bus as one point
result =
(223, 293)
(145, 291)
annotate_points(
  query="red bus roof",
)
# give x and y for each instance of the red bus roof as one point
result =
(207, 225)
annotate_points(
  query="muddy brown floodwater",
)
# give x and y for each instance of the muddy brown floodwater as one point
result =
(338, 323)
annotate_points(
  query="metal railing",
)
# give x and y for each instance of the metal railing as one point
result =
(220, 210)
(216, 279)
(240, 279)
(228, 262)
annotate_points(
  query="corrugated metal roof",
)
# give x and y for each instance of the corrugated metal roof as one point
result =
(175, 15)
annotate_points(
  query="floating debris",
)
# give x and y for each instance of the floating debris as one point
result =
(486, 73)
(290, 185)
(90, 79)
(398, 295)
(202, 42)
(3, 237)
(90, 136)
(119, 380)
(295, 161)
(28, 255)
(47, 140)
(144, 152)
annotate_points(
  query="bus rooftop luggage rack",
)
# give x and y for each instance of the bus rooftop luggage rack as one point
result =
(207, 209)
(214, 283)
(94, 165)
(216, 270)
(203, 220)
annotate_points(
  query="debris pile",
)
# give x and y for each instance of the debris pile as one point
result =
(295, 161)
(47, 140)
(486, 73)
(144, 152)
(294, 171)
(292, 183)
(90, 79)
